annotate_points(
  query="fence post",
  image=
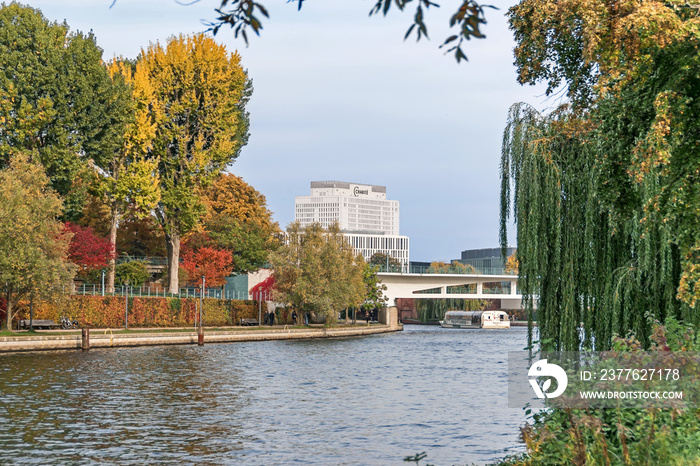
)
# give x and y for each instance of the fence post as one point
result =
(86, 339)
(126, 311)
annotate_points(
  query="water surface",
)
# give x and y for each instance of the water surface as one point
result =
(360, 400)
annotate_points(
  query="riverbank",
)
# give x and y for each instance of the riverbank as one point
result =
(110, 338)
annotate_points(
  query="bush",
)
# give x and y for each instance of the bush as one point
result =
(133, 273)
(619, 436)
(109, 311)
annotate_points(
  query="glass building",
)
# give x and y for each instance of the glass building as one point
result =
(487, 261)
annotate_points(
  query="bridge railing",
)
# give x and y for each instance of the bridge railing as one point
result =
(454, 270)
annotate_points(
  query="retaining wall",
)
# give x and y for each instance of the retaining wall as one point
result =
(105, 339)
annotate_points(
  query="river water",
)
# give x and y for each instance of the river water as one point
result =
(361, 400)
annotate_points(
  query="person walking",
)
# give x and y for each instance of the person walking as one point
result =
(294, 317)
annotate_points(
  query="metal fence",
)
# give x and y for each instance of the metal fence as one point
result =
(162, 292)
(149, 260)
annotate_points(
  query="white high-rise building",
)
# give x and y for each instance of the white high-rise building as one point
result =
(367, 218)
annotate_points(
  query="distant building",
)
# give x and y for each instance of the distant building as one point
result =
(366, 217)
(486, 261)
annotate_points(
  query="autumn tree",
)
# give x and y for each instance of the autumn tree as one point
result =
(196, 94)
(57, 101)
(211, 263)
(385, 262)
(238, 220)
(511, 267)
(139, 234)
(454, 267)
(87, 250)
(318, 271)
(33, 243)
(125, 179)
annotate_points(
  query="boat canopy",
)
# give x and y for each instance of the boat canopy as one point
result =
(463, 313)
(473, 317)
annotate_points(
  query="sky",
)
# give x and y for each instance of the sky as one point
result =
(341, 96)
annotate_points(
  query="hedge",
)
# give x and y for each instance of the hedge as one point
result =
(108, 311)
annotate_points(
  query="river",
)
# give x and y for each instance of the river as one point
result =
(356, 401)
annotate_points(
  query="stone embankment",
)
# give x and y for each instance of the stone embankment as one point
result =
(106, 338)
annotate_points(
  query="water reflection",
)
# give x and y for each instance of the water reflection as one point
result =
(369, 400)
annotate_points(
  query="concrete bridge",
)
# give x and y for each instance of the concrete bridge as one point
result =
(455, 286)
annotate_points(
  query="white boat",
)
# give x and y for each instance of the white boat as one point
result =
(476, 319)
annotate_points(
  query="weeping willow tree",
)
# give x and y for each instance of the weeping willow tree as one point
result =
(583, 261)
(431, 310)
(605, 190)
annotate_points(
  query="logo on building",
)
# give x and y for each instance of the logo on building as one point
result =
(543, 369)
(357, 191)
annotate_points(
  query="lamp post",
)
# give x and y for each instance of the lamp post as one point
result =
(201, 303)
(103, 282)
(126, 311)
(200, 335)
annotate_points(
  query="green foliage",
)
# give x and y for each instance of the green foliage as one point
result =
(132, 273)
(243, 16)
(238, 220)
(56, 99)
(33, 243)
(374, 289)
(648, 436)
(385, 262)
(433, 310)
(248, 243)
(317, 270)
(614, 191)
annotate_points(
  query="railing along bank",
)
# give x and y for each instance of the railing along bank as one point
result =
(150, 291)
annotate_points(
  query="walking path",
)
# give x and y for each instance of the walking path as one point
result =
(105, 338)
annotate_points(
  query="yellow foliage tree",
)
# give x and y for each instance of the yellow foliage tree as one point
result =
(512, 265)
(195, 93)
(125, 176)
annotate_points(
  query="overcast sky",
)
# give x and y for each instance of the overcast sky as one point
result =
(340, 96)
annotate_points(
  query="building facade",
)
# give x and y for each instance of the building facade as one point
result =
(488, 261)
(366, 217)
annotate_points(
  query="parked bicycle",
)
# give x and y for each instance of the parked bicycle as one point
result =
(66, 323)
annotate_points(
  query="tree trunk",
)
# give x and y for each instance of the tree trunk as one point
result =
(172, 242)
(113, 250)
(8, 320)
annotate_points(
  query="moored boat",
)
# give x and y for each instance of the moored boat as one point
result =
(475, 319)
